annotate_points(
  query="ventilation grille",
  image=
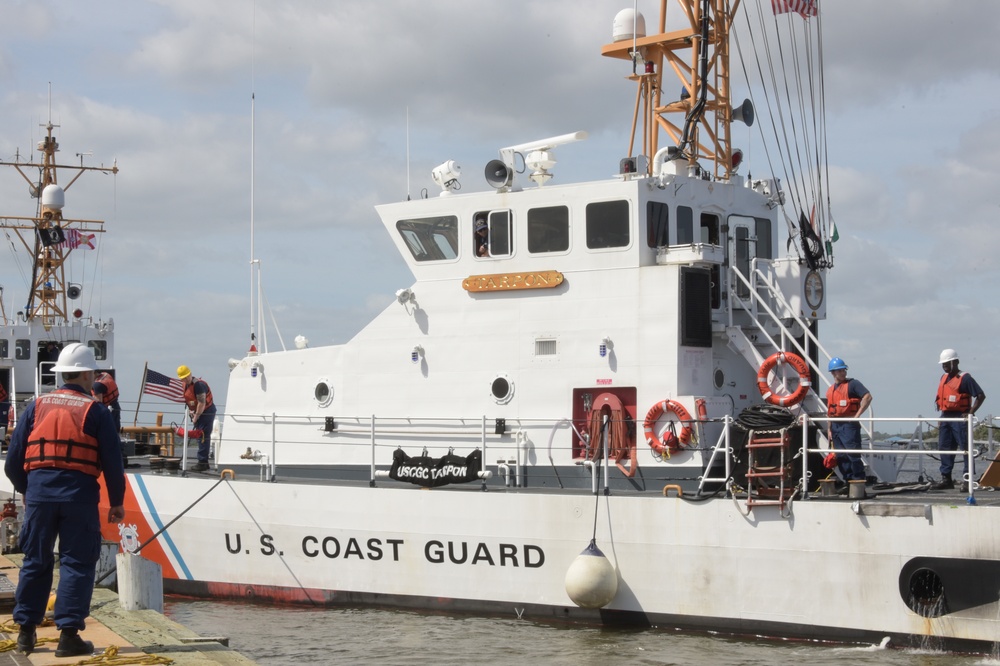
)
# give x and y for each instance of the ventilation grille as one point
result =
(545, 347)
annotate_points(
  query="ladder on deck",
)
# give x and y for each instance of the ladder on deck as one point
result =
(766, 481)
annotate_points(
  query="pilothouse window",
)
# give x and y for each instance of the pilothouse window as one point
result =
(685, 225)
(501, 240)
(548, 229)
(657, 221)
(431, 238)
(607, 224)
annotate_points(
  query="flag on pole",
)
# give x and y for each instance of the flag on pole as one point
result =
(75, 238)
(160, 385)
(804, 8)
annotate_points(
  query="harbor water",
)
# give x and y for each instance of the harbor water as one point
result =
(273, 635)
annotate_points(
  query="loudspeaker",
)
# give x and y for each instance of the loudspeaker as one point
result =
(744, 113)
(74, 290)
(499, 174)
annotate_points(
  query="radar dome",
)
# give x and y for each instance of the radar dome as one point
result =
(629, 24)
(53, 197)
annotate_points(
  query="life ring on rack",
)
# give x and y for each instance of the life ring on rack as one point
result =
(798, 365)
(670, 442)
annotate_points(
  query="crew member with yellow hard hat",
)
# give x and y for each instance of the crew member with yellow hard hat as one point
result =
(198, 398)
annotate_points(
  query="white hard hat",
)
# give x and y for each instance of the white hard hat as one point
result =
(75, 357)
(948, 355)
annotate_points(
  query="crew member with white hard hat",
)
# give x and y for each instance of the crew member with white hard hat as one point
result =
(63, 442)
(958, 395)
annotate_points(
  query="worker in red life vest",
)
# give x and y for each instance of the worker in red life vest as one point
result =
(106, 390)
(846, 398)
(63, 442)
(958, 395)
(198, 397)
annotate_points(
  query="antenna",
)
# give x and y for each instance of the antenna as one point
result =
(407, 153)
(253, 255)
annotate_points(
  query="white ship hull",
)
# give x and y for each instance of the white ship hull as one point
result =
(830, 569)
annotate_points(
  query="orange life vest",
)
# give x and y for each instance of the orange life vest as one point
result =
(839, 403)
(192, 400)
(58, 440)
(949, 399)
(110, 388)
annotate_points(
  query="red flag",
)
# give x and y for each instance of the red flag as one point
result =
(805, 8)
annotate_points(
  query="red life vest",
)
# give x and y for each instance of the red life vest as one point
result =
(949, 399)
(3, 394)
(192, 400)
(839, 403)
(58, 440)
(110, 388)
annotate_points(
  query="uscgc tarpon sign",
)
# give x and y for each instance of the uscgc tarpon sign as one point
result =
(430, 472)
(507, 281)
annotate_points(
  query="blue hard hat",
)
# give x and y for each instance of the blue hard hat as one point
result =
(836, 363)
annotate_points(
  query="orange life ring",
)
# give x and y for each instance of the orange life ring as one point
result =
(798, 365)
(670, 442)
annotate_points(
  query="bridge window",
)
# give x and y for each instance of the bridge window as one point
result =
(22, 350)
(763, 227)
(548, 229)
(100, 348)
(501, 237)
(431, 238)
(607, 224)
(685, 225)
(4, 349)
(657, 220)
(710, 229)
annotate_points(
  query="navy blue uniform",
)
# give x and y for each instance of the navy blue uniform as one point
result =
(954, 435)
(62, 503)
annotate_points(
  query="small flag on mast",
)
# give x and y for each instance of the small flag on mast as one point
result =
(804, 8)
(160, 385)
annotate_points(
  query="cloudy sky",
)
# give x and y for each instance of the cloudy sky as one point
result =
(164, 87)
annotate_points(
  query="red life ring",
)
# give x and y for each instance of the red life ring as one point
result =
(671, 442)
(798, 365)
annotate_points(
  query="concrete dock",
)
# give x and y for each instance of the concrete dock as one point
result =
(137, 635)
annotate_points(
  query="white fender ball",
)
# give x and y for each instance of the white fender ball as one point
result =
(591, 580)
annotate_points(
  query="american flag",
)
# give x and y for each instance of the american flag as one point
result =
(805, 8)
(160, 385)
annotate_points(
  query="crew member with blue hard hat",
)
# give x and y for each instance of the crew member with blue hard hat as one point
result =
(846, 398)
(958, 395)
(63, 442)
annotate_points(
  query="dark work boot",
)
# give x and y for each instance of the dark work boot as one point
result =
(944, 484)
(71, 645)
(26, 639)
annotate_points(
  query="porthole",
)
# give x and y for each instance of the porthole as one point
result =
(720, 378)
(502, 389)
(323, 393)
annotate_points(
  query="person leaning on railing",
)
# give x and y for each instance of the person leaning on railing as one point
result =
(958, 395)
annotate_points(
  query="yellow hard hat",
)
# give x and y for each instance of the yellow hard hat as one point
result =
(183, 372)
